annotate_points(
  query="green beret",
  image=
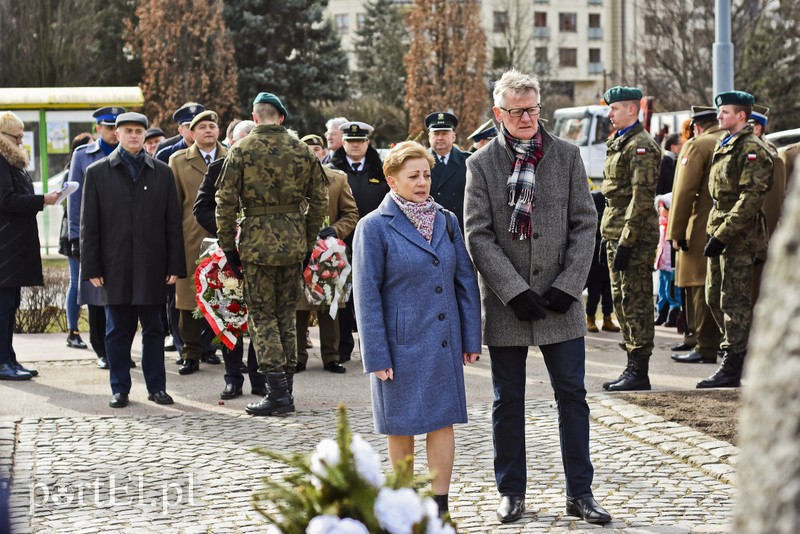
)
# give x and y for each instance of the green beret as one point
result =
(269, 98)
(621, 93)
(734, 98)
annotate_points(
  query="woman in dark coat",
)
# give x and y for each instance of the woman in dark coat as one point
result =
(417, 306)
(19, 238)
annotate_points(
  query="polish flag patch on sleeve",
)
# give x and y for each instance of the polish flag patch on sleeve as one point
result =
(641, 151)
(752, 156)
(685, 160)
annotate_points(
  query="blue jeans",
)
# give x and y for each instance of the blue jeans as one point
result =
(566, 366)
(668, 294)
(9, 304)
(120, 330)
(71, 304)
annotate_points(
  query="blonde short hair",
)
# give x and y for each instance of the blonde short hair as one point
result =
(515, 82)
(403, 152)
(9, 120)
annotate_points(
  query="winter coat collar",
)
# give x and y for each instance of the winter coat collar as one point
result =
(403, 226)
(14, 153)
(115, 159)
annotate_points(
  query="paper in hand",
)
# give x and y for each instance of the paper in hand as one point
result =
(66, 190)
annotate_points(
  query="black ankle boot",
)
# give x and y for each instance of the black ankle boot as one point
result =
(636, 378)
(278, 400)
(728, 375)
(441, 502)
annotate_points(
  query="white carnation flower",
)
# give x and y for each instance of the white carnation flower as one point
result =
(368, 462)
(330, 524)
(231, 284)
(398, 510)
(325, 456)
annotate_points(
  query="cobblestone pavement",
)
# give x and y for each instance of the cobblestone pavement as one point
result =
(194, 469)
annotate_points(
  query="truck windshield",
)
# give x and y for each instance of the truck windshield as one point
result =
(573, 128)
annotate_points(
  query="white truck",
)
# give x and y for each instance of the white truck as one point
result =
(587, 127)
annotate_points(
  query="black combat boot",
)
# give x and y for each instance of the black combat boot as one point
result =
(290, 384)
(623, 376)
(278, 400)
(636, 378)
(728, 375)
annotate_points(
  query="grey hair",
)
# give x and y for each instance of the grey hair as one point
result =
(334, 123)
(242, 129)
(513, 81)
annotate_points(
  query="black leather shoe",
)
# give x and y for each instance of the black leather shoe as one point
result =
(299, 368)
(102, 362)
(74, 341)
(160, 397)
(587, 509)
(189, 367)
(693, 357)
(261, 391)
(179, 361)
(213, 359)
(8, 372)
(511, 508)
(18, 367)
(682, 347)
(231, 391)
(119, 400)
(335, 367)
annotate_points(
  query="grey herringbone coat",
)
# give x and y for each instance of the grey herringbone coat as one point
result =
(559, 253)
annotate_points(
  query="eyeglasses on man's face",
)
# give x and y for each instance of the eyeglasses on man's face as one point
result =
(17, 138)
(518, 112)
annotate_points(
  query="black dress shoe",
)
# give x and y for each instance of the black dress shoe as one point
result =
(231, 391)
(74, 341)
(179, 361)
(511, 508)
(335, 367)
(119, 400)
(189, 367)
(693, 357)
(8, 372)
(261, 391)
(587, 509)
(299, 368)
(18, 367)
(681, 347)
(102, 362)
(160, 397)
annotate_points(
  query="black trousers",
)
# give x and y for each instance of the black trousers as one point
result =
(97, 329)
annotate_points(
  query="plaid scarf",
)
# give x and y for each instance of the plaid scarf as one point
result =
(421, 214)
(521, 184)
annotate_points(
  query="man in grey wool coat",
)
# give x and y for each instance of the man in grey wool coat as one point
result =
(530, 224)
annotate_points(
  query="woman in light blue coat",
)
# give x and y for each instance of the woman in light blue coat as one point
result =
(418, 311)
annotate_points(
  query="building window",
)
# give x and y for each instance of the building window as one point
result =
(568, 22)
(540, 19)
(595, 64)
(341, 23)
(595, 31)
(568, 57)
(500, 21)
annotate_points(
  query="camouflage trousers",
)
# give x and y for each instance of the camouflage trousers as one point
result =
(729, 280)
(632, 292)
(271, 294)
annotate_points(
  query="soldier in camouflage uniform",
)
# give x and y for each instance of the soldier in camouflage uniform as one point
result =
(741, 175)
(272, 176)
(630, 230)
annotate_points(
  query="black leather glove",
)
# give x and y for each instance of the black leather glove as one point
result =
(234, 262)
(75, 248)
(602, 255)
(528, 306)
(683, 244)
(714, 248)
(622, 258)
(557, 300)
(327, 232)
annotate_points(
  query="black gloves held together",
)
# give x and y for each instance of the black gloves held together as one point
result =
(557, 300)
(75, 248)
(714, 248)
(234, 262)
(528, 306)
(622, 258)
(327, 232)
(683, 244)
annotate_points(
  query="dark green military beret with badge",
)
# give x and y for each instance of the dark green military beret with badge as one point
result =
(622, 93)
(734, 98)
(269, 98)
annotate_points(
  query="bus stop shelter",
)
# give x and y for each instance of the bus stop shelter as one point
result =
(53, 116)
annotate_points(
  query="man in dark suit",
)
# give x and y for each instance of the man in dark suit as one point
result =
(449, 174)
(131, 245)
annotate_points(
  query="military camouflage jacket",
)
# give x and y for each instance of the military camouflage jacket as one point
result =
(741, 175)
(630, 177)
(273, 177)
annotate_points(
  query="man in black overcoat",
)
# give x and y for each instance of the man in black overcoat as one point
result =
(449, 174)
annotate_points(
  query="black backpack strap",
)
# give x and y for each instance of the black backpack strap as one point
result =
(448, 223)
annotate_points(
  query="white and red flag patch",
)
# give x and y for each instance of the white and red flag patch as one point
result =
(752, 156)
(641, 151)
(685, 160)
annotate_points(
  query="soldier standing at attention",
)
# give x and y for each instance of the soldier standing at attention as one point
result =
(630, 229)
(740, 176)
(449, 174)
(273, 176)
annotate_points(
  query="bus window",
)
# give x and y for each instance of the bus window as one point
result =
(603, 130)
